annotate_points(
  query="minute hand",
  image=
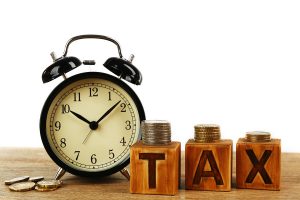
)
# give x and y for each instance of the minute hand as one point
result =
(107, 112)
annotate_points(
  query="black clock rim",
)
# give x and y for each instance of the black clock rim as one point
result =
(46, 107)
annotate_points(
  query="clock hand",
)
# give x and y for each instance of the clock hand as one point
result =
(107, 112)
(94, 125)
(80, 117)
(88, 135)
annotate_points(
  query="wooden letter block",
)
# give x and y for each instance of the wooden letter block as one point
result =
(155, 169)
(208, 165)
(258, 164)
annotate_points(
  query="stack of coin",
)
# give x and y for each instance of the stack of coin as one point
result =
(48, 185)
(207, 133)
(258, 136)
(156, 132)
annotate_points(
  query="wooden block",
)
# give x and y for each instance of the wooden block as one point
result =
(258, 164)
(208, 166)
(155, 169)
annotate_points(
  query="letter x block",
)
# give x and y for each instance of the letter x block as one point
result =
(155, 169)
(208, 165)
(258, 164)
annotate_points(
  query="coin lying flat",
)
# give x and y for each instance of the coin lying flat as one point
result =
(22, 186)
(16, 180)
(49, 184)
(44, 189)
(36, 179)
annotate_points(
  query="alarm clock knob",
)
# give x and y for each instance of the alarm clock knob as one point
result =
(131, 57)
(53, 56)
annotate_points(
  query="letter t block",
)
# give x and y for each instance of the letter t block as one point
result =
(155, 169)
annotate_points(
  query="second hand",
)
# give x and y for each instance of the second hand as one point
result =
(88, 135)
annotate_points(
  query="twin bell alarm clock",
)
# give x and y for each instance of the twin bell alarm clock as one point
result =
(90, 120)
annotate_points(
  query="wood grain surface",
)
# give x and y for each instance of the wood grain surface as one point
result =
(214, 159)
(35, 161)
(162, 177)
(267, 157)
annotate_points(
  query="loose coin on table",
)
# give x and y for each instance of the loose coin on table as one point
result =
(36, 179)
(44, 189)
(22, 186)
(48, 185)
(16, 180)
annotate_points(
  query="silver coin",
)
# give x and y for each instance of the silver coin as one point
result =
(16, 180)
(36, 178)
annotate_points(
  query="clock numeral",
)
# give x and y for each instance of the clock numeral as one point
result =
(57, 125)
(78, 152)
(128, 125)
(93, 92)
(109, 96)
(65, 108)
(123, 142)
(123, 106)
(93, 159)
(111, 154)
(77, 96)
(63, 142)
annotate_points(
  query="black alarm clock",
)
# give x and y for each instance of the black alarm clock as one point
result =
(90, 120)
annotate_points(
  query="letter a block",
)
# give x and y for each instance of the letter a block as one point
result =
(258, 164)
(155, 169)
(208, 165)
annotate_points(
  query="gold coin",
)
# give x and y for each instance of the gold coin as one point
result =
(37, 188)
(207, 132)
(49, 184)
(258, 136)
(16, 180)
(22, 186)
(36, 178)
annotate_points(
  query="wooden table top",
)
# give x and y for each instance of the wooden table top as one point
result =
(35, 162)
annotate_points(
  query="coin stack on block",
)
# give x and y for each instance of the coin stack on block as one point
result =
(207, 133)
(258, 161)
(155, 161)
(208, 149)
(258, 136)
(156, 132)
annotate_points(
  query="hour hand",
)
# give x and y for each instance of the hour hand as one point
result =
(80, 117)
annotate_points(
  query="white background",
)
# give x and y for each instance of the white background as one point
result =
(233, 63)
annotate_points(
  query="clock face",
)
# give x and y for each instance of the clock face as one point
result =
(89, 122)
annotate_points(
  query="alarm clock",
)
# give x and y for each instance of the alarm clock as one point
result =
(90, 120)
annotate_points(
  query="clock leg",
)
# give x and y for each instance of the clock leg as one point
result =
(125, 173)
(60, 172)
